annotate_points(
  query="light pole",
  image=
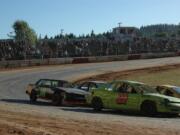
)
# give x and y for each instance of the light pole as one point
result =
(119, 24)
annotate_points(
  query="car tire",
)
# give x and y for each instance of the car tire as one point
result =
(33, 96)
(97, 104)
(57, 99)
(148, 108)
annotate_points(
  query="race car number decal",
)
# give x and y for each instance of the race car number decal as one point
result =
(122, 98)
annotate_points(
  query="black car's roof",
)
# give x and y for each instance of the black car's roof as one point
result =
(97, 81)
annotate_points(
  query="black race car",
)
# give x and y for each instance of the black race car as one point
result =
(60, 92)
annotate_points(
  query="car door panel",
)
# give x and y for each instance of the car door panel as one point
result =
(105, 97)
(44, 88)
(122, 99)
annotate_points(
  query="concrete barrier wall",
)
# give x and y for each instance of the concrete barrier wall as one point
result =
(158, 55)
(59, 61)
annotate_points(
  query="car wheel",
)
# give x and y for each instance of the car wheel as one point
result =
(97, 104)
(57, 99)
(33, 96)
(148, 108)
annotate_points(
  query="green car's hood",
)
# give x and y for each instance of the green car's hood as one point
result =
(171, 99)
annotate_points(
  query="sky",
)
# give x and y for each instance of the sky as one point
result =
(81, 16)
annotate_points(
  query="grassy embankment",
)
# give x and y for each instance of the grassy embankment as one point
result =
(169, 74)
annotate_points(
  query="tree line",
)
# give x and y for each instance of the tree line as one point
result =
(23, 32)
(26, 44)
(160, 30)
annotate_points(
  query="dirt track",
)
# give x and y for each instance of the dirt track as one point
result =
(38, 125)
(17, 116)
(36, 122)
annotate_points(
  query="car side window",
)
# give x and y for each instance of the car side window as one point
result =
(131, 90)
(125, 88)
(65, 84)
(159, 89)
(54, 83)
(44, 83)
(40, 83)
(47, 83)
(84, 86)
(121, 88)
(168, 93)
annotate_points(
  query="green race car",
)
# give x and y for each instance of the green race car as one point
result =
(133, 96)
(169, 90)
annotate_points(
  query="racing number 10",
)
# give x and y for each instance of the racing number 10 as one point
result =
(122, 98)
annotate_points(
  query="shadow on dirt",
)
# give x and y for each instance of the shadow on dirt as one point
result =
(116, 112)
(86, 109)
(27, 102)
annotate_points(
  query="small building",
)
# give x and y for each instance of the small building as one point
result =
(124, 33)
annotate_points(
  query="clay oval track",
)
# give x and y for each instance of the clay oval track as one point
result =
(13, 97)
(13, 83)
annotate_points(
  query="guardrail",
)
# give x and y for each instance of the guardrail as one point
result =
(76, 60)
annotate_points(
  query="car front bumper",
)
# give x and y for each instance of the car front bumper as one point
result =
(173, 108)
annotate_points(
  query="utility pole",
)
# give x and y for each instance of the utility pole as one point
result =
(60, 44)
(62, 30)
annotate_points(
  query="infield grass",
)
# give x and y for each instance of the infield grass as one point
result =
(168, 74)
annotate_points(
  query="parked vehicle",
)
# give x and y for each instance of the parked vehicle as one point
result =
(58, 91)
(169, 90)
(133, 96)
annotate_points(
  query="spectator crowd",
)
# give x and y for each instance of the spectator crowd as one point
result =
(81, 47)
